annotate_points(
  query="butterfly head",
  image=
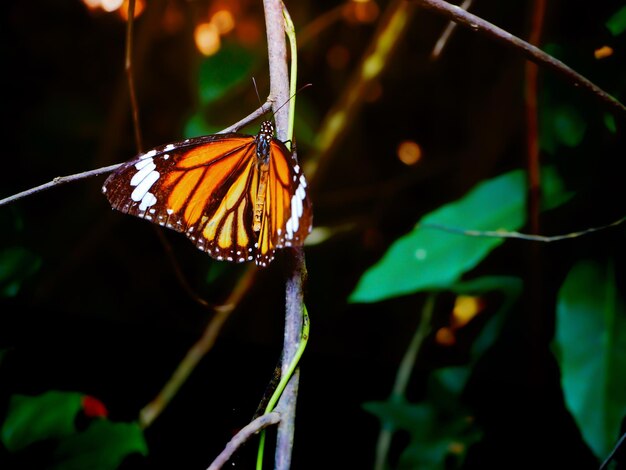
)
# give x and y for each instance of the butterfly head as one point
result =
(263, 141)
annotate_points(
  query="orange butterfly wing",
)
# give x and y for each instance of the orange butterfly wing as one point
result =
(287, 212)
(207, 188)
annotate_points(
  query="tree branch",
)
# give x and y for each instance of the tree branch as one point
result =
(243, 436)
(531, 52)
(518, 235)
(59, 180)
(279, 92)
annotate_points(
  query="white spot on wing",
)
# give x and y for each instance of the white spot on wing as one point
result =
(147, 200)
(145, 185)
(143, 162)
(149, 154)
(143, 173)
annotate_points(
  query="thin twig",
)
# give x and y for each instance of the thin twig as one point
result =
(406, 368)
(243, 436)
(621, 442)
(532, 120)
(182, 280)
(447, 33)
(128, 67)
(257, 113)
(518, 235)
(531, 52)
(152, 410)
(108, 169)
(391, 28)
(535, 318)
(59, 180)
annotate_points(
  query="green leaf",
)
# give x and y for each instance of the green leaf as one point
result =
(590, 345)
(47, 416)
(102, 446)
(609, 122)
(434, 435)
(429, 258)
(617, 23)
(16, 265)
(455, 438)
(560, 125)
(419, 419)
(221, 72)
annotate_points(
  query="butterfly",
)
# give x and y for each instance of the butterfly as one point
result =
(237, 197)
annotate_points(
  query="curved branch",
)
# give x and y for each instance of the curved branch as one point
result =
(243, 436)
(518, 235)
(59, 180)
(531, 52)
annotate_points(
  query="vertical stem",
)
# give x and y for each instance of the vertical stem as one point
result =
(536, 321)
(279, 92)
(128, 67)
(294, 299)
(402, 379)
(277, 55)
(532, 123)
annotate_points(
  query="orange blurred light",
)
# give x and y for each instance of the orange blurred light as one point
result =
(223, 20)
(602, 52)
(173, 19)
(140, 5)
(373, 92)
(465, 308)
(409, 152)
(445, 336)
(207, 38)
(248, 32)
(92, 4)
(111, 5)
(456, 447)
(361, 11)
(338, 56)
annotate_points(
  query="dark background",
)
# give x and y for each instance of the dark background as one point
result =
(105, 314)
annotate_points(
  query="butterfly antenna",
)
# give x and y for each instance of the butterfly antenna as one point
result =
(291, 97)
(256, 90)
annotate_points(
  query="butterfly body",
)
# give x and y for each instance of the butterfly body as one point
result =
(237, 197)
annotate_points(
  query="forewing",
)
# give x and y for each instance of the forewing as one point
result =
(199, 187)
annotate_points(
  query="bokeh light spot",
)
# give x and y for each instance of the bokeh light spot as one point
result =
(224, 21)
(338, 56)
(207, 38)
(409, 152)
(603, 52)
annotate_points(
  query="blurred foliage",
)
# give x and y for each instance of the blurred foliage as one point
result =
(428, 258)
(617, 23)
(92, 282)
(55, 417)
(442, 427)
(219, 74)
(16, 265)
(590, 344)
